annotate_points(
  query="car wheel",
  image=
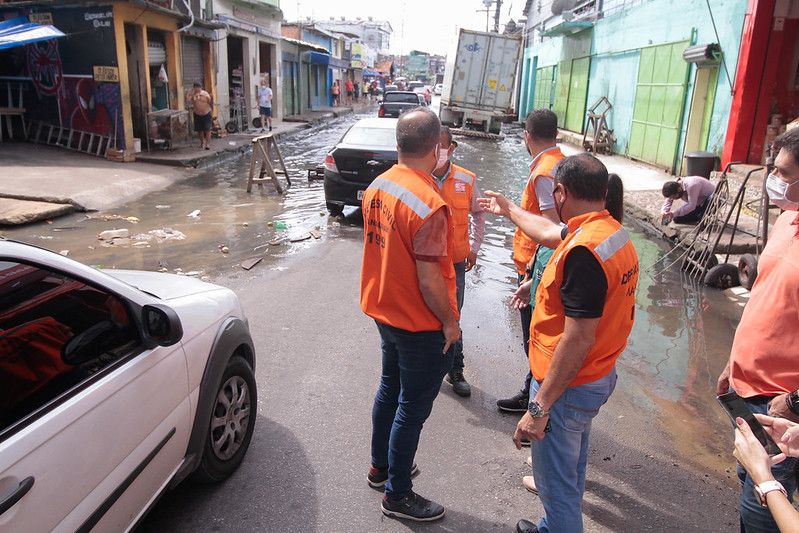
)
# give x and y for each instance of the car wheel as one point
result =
(231, 423)
(335, 209)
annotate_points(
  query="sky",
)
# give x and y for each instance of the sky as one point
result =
(426, 25)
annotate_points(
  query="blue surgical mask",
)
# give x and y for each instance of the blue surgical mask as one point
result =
(778, 191)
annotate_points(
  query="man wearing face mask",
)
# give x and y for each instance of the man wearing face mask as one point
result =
(540, 135)
(408, 288)
(584, 312)
(762, 364)
(459, 189)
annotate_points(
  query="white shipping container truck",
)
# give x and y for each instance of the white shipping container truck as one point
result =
(479, 81)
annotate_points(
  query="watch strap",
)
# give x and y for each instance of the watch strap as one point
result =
(768, 486)
(792, 401)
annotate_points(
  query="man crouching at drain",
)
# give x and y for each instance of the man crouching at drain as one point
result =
(585, 306)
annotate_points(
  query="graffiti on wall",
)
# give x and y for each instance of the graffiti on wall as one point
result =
(88, 106)
(44, 66)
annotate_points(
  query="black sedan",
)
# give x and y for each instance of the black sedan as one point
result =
(368, 149)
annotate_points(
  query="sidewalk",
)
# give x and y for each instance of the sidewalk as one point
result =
(40, 182)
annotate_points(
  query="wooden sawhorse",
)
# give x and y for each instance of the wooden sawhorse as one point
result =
(261, 148)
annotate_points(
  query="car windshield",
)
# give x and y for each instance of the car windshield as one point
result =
(385, 138)
(401, 97)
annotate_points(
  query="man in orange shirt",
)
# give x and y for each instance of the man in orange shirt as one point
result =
(584, 312)
(762, 366)
(459, 189)
(540, 134)
(408, 288)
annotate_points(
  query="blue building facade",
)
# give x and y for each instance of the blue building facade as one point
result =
(667, 67)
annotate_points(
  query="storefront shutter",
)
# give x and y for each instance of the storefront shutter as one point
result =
(193, 68)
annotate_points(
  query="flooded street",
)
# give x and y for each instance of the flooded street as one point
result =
(679, 344)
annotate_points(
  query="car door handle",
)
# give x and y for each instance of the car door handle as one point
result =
(21, 490)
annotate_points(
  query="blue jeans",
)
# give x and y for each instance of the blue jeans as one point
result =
(460, 282)
(413, 367)
(559, 459)
(754, 517)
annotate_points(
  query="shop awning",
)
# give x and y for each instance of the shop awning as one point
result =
(568, 28)
(19, 31)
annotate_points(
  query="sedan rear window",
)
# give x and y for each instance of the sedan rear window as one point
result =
(376, 137)
(401, 97)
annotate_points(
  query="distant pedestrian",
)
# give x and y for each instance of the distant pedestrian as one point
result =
(203, 116)
(365, 90)
(356, 90)
(348, 87)
(408, 288)
(335, 91)
(695, 191)
(265, 105)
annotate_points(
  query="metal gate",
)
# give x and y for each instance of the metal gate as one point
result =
(571, 90)
(542, 96)
(193, 68)
(659, 102)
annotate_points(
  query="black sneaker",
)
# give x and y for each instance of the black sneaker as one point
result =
(412, 507)
(377, 478)
(517, 404)
(525, 526)
(459, 384)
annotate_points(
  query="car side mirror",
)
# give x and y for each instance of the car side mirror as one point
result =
(161, 325)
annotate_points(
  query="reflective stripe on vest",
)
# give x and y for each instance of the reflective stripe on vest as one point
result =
(404, 195)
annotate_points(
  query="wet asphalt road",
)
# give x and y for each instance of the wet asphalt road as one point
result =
(659, 449)
(660, 455)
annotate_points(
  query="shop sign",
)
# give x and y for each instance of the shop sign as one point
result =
(41, 18)
(107, 74)
(99, 20)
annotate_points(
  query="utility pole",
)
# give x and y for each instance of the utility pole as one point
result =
(487, 4)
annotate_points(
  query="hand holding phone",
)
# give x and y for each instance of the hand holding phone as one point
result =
(735, 407)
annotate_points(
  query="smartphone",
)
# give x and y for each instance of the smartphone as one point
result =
(736, 407)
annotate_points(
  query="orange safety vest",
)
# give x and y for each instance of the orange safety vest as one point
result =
(611, 245)
(524, 246)
(395, 206)
(457, 192)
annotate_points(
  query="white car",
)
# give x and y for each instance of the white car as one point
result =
(116, 385)
(439, 88)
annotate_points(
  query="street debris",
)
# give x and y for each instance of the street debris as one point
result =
(64, 252)
(245, 224)
(194, 214)
(315, 234)
(259, 247)
(300, 237)
(247, 264)
(224, 249)
(111, 234)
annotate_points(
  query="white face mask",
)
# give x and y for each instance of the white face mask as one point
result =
(777, 192)
(443, 157)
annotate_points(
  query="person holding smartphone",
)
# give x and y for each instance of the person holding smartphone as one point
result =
(753, 457)
(762, 363)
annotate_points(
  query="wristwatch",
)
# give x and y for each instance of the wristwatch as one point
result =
(792, 401)
(766, 487)
(535, 410)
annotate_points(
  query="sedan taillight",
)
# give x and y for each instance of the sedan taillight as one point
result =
(380, 112)
(330, 164)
